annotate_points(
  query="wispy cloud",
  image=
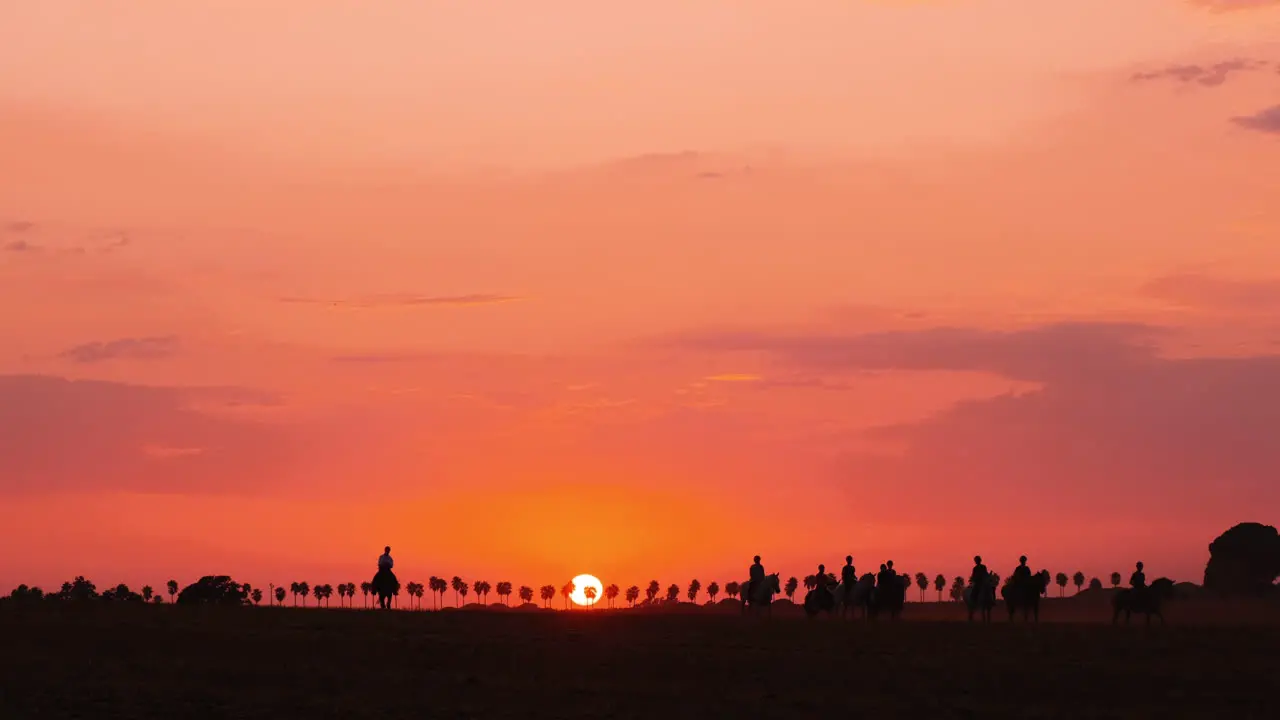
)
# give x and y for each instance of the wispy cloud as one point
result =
(142, 348)
(734, 377)
(1266, 121)
(371, 302)
(1194, 289)
(20, 246)
(1205, 75)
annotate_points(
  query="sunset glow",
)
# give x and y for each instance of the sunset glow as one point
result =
(580, 585)
(908, 280)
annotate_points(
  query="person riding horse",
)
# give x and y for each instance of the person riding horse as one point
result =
(385, 583)
(1138, 581)
(848, 576)
(755, 575)
(1022, 573)
(979, 577)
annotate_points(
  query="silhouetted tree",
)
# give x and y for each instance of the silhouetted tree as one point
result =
(526, 594)
(504, 592)
(458, 587)
(280, 596)
(611, 594)
(566, 591)
(351, 594)
(1078, 581)
(957, 588)
(1116, 579)
(547, 593)
(1061, 580)
(213, 589)
(1095, 584)
(713, 590)
(589, 592)
(1244, 560)
(342, 593)
(257, 596)
(462, 589)
(147, 593)
(810, 582)
(651, 591)
(478, 586)
(922, 582)
(940, 584)
(172, 587)
(633, 594)
(732, 589)
(673, 593)
(791, 587)
(366, 587)
(304, 590)
(121, 592)
(694, 588)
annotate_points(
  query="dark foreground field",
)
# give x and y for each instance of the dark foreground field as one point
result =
(176, 662)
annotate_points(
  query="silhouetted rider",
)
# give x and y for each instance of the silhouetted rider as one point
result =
(820, 580)
(754, 575)
(893, 574)
(848, 576)
(1138, 579)
(882, 577)
(1022, 573)
(978, 578)
(384, 560)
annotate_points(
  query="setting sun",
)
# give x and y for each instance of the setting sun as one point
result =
(580, 585)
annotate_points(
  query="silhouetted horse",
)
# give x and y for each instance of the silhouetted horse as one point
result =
(855, 597)
(1147, 602)
(887, 599)
(819, 599)
(980, 599)
(385, 586)
(761, 594)
(1025, 595)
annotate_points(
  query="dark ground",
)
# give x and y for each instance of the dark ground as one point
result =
(114, 661)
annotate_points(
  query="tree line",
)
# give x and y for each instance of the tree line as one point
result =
(301, 592)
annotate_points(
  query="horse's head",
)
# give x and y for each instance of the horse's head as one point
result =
(1162, 588)
(1042, 581)
(773, 583)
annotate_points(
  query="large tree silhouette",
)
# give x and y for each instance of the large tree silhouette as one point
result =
(1244, 560)
(1116, 579)
(1061, 580)
(957, 588)
(147, 593)
(922, 582)
(694, 588)
(1078, 581)
(526, 594)
(172, 587)
(611, 594)
(791, 587)
(256, 595)
(589, 592)
(633, 594)
(504, 592)
(651, 591)
(713, 589)
(566, 590)
(673, 593)
(940, 584)
(280, 596)
(458, 586)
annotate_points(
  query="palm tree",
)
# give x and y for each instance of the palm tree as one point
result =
(457, 585)
(694, 588)
(673, 592)
(304, 590)
(589, 592)
(810, 582)
(478, 586)
(1061, 580)
(957, 588)
(1078, 580)
(565, 592)
(713, 590)
(611, 593)
(462, 589)
(504, 592)
(526, 594)
(172, 587)
(922, 582)
(432, 583)
(257, 596)
(293, 591)
(791, 587)
(633, 594)
(351, 594)
(547, 593)
(366, 587)
(651, 591)
(940, 584)
(732, 589)
(342, 593)
(1095, 584)
(280, 596)
(147, 592)
(1115, 579)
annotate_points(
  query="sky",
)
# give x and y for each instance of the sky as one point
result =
(526, 290)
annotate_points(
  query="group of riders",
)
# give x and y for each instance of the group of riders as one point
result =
(887, 584)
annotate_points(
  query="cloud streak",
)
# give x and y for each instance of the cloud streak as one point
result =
(1206, 75)
(1264, 121)
(141, 348)
(373, 302)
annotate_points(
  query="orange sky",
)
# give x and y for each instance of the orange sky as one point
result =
(531, 291)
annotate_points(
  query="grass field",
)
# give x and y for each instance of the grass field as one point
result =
(116, 661)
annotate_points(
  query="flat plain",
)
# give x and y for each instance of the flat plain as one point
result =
(118, 660)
